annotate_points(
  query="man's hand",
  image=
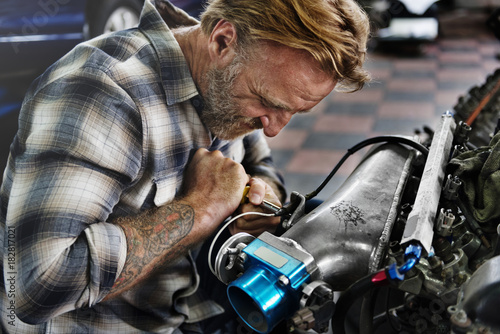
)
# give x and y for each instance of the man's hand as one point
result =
(254, 224)
(214, 183)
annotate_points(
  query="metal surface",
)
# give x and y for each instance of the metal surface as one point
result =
(299, 210)
(347, 232)
(291, 248)
(420, 225)
(225, 268)
(482, 294)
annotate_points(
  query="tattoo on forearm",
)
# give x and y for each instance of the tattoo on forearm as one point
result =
(153, 235)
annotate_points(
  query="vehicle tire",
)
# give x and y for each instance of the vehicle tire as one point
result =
(104, 16)
(480, 107)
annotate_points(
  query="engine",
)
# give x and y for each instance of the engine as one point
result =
(398, 242)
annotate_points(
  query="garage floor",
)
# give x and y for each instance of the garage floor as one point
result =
(412, 87)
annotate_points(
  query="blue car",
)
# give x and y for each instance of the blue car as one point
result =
(36, 33)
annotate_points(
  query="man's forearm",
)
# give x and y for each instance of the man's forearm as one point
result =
(154, 239)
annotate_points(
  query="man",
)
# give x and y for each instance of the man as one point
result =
(134, 147)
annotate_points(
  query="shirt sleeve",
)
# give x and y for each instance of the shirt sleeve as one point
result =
(258, 160)
(79, 145)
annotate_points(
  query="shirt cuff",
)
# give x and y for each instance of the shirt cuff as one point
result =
(108, 252)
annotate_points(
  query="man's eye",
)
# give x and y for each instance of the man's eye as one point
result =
(268, 105)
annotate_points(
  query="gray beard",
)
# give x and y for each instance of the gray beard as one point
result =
(220, 113)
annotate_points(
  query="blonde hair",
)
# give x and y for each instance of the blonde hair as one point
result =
(334, 32)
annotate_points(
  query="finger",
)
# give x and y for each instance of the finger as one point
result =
(257, 191)
(198, 155)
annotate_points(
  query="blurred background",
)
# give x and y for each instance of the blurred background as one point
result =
(423, 55)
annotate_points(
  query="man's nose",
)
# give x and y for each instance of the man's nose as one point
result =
(277, 122)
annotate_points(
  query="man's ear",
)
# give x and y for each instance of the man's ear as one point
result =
(222, 43)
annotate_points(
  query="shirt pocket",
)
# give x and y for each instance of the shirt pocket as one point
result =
(167, 188)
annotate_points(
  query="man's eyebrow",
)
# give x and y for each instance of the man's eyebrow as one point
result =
(274, 104)
(281, 106)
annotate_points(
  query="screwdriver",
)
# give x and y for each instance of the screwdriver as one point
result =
(265, 204)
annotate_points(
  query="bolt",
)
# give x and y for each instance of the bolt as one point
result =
(443, 249)
(242, 257)
(460, 319)
(395, 247)
(406, 209)
(436, 265)
(283, 280)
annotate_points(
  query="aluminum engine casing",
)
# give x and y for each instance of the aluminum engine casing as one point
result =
(348, 234)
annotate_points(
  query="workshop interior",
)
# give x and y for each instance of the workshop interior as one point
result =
(407, 236)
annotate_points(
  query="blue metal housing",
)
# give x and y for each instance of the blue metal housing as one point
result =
(269, 289)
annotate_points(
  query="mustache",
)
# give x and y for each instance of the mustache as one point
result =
(254, 123)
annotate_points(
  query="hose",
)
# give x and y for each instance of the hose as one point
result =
(370, 141)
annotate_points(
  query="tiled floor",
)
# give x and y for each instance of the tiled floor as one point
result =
(409, 90)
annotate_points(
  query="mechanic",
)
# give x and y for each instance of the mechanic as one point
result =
(134, 147)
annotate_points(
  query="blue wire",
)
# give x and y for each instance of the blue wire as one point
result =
(412, 257)
(410, 263)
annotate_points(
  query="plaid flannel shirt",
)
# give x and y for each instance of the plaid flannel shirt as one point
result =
(106, 131)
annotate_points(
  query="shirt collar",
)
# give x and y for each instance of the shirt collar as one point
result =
(175, 74)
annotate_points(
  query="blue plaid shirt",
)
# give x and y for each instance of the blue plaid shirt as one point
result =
(105, 132)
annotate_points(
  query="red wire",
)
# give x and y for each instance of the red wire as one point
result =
(380, 278)
(482, 104)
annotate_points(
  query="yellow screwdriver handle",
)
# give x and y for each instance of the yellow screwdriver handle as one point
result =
(244, 198)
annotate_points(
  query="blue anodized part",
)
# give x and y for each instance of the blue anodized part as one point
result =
(270, 288)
